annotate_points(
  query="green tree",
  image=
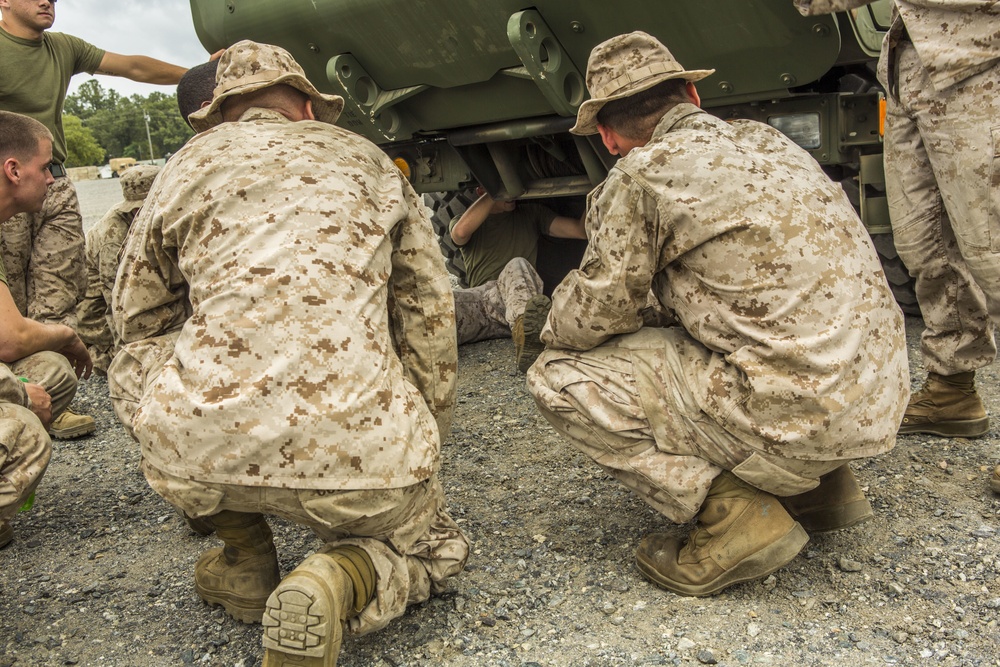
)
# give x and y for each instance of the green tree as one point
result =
(81, 146)
(119, 123)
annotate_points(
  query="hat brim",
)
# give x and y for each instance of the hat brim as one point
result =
(586, 116)
(327, 108)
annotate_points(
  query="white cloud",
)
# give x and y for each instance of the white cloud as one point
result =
(161, 29)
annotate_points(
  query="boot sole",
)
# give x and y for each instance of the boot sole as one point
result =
(301, 626)
(75, 432)
(769, 559)
(959, 428)
(244, 610)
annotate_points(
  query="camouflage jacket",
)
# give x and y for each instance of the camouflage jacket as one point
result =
(763, 260)
(317, 327)
(955, 39)
(93, 313)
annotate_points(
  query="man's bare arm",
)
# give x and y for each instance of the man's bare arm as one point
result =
(475, 216)
(140, 68)
(567, 228)
(20, 337)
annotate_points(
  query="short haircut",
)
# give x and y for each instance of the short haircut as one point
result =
(20, 135)
(278, 96)
(195, 88)
(635, 117)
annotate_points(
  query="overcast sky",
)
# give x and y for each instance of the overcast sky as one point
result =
(160, 29)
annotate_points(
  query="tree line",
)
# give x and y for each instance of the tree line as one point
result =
(101, 124)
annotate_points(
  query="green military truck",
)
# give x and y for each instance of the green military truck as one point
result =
(460, 92)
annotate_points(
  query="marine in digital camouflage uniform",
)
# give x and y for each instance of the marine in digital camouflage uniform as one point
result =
(789, 360)
(44, 251)
(940, 65)
(39, 363)
(499, 245)
(104, 244)
(283, 287)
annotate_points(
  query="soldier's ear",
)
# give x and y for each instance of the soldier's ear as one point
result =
(11, 168)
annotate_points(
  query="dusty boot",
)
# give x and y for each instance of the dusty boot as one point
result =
(838, 502)
(241, 575)
(70, 425)
(304, 622)
(995, 480)
(527, 331)
(742, 534)
(947, 405)
(6, 534)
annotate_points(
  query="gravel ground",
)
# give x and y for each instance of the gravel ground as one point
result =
(101, 569)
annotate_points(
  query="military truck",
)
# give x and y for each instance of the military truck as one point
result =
(460, 92)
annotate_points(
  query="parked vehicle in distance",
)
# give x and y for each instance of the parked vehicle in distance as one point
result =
(119, 165)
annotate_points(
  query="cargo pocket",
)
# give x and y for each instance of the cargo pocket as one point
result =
(772, 478)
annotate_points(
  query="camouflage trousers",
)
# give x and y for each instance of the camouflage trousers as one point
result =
(413, 543)
(54, 372)
(629, 404)
(25, 450)
(44, 256)
(409, 536)
(490, 310)
(942, 159)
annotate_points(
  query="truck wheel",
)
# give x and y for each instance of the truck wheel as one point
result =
(444, 207)
(900, 281)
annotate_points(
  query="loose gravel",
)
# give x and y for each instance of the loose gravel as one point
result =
(101, 569)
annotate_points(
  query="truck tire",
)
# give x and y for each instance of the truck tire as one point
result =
(444, 207)
(900, 281)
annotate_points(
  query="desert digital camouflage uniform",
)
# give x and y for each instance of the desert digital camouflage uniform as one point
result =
(940, 65)
(790, 359)
(25, 447)
(43, 253)
(314, 365)
(490, 310)
(104, 244)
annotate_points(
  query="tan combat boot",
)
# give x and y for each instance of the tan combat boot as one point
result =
(70, 425)
(995, 480)
(304, 622)
(742, 534)
(241, 575)
(527, 331)
(947, 405)
(838, 502)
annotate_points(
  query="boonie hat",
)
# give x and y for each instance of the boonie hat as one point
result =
(136, 182)
(623, 66)
(248, 66)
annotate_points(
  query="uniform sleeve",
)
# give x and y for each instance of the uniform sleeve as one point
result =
(150, 295)
(88, 56)
(543, 219)
(422, 311)
(607, 294)
(811, 7)
(11, 388)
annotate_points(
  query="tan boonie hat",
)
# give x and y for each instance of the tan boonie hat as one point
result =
(623, 66)
(136, 182)
(248, 66)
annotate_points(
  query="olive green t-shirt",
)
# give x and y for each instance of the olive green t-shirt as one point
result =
(35, 74)
(501, 238)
